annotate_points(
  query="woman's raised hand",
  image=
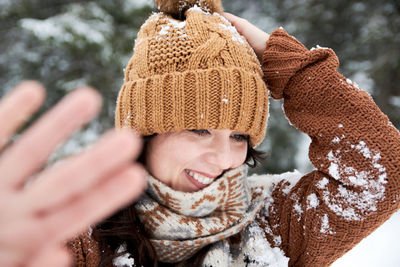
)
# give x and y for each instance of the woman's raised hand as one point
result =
(256, 37)
(41, 209)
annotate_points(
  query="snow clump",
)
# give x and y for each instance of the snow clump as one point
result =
(124, 260)
(264, 255)
(348, 203)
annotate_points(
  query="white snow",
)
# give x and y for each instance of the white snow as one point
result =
(64, 27)
(235, 35)
(379, 249)
(301, 159)
(325, 228)
(353, 205)
(164, 30)
(362, 147)
(322, 183)
(173, 26)
(124, 260)
(265, 256)
(177, 25)
(154, 17)
(312, 201)
(197, 8)
(297, 207)
(353, 83)
(318, 47)
(136, 4)
(334, 167)
(127, 120)
(361, 76)
(290, 177)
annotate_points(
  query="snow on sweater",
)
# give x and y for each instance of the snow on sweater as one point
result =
(355, 149)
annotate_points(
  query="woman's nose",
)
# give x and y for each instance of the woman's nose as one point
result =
(221, 154)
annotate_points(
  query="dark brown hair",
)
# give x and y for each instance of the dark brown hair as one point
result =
(124, 227)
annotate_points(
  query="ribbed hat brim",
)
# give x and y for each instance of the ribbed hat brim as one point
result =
(215, 98)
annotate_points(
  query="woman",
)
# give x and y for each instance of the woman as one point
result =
(195, 88)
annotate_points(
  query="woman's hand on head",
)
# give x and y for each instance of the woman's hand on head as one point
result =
(41, 209)
(256, 37)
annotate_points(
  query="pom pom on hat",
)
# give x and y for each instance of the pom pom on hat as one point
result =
(178, 7)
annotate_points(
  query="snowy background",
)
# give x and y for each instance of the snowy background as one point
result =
(380, 249)
(67, 43)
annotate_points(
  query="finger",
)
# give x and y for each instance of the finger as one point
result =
(10, 258)
(54, 256)
(23, 248)
(234, 20)
(77, 174)
(256, 37)
(33, 148)
(97, 203)
(17, 106)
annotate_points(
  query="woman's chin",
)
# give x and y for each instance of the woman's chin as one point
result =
(187, 187)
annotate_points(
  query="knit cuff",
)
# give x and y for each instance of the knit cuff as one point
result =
(85, 250)
(284, 57)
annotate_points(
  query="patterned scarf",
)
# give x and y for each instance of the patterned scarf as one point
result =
(179, 224)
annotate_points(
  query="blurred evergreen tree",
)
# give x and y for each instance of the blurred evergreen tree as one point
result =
(65, 44)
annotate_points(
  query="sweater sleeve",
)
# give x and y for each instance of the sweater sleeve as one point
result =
(355, 150)
(85, 251)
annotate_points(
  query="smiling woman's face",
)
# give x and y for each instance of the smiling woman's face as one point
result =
(190, 160)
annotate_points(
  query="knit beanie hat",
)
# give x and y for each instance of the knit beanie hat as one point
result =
(192, 70)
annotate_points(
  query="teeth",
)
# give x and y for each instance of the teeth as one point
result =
(200, 178)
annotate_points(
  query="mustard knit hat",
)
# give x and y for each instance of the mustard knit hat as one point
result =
(192, 70)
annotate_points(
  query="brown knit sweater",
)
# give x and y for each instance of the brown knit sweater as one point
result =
(355, 149)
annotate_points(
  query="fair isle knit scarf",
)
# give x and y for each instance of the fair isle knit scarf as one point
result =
(179, 224)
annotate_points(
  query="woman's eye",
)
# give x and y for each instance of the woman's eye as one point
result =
(240, 137)
(200, 132)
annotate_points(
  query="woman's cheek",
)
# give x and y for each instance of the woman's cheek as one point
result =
(240, 156)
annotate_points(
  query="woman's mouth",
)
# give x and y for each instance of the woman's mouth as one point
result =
(199, 180)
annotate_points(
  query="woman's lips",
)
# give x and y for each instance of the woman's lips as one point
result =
(206, 174)
(199, 179)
